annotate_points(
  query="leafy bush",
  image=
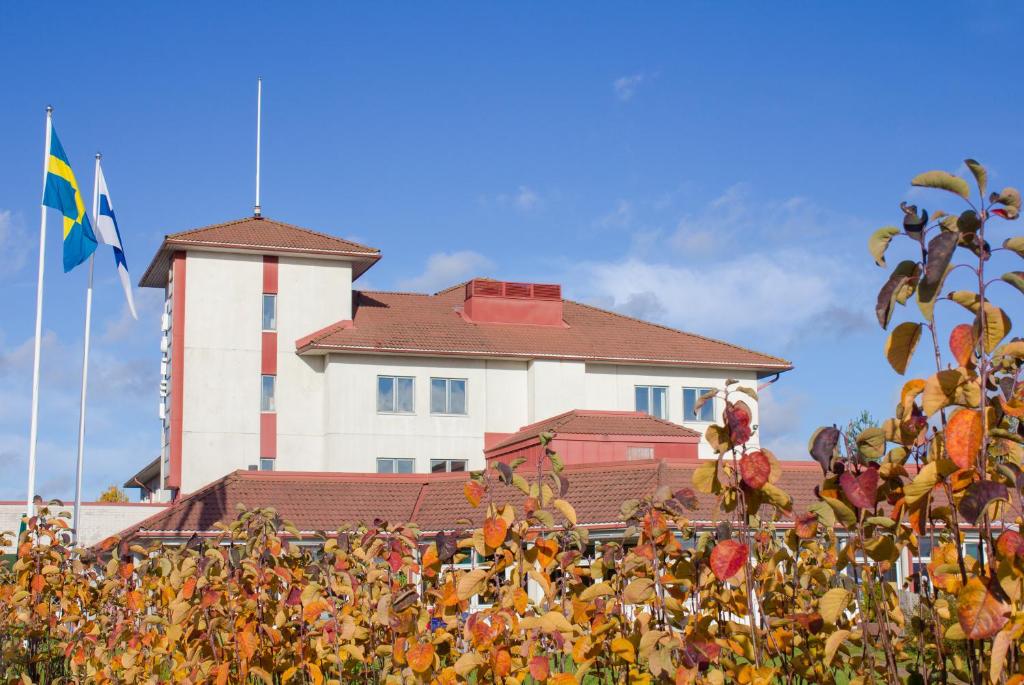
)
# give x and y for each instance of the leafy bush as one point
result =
(770, 595)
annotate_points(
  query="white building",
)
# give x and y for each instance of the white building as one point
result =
(273, 360)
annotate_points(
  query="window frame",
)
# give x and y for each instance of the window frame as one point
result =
(394, 394)
(269, 463)
(650, 400)
(265, 406)
(448, 465)
(712, 403)
(394, 464)
(448, 396)
(263, 313)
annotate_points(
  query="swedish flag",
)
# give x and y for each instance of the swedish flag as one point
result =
(61, 192)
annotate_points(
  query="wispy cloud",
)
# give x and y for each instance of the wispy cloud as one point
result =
(14, 242)
(625, 87)
(447, 268)
(523, 199)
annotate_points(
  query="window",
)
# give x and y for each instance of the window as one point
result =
(269, 312)
(447, 396)
(690, 398)
(639, 453)
(447, 465)
(653, 400)
(395, 394)
(267, 394)
(266, 464)
(395, 465)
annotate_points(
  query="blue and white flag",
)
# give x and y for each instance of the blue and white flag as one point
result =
(108, 234)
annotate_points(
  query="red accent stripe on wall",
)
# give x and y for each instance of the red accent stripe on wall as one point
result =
(173, 479)
(268, 435)
(268, 364)
(270, 275)
(268, 353)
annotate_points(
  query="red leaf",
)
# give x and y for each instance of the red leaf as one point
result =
(961, 343)
(539, 668)
(727, 558)
(755, 467)
(294, 597)
(737, 420)
(1010, 543)
(860, 490)
(963, 437)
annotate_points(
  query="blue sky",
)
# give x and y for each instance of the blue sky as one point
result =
(713, 166)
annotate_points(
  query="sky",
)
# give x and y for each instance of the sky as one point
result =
(716, 167)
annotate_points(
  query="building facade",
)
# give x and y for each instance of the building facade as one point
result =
(274, 360)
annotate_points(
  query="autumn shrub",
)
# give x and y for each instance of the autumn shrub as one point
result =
(763, 593)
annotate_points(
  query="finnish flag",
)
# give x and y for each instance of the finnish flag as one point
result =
(108, 234)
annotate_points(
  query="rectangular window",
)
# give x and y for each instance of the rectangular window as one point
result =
(266, 464)
(267, 394)
(447, 465)
(653, 400)
(269, 312)
(447, 396)
(396, 465)
(639, 453)
(395, 394)
(690, 397)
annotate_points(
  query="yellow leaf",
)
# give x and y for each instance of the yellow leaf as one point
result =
(596, 590)
(623, 648)
(471, 583)
(834, 641)
(922, 484)
(705, 477)
(833, 603)
(566, 510)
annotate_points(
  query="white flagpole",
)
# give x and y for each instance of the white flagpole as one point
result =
(85, 360)
(34, 425)
(257, 210)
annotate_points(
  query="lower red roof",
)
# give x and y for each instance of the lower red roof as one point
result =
(334, 501)
(593, 422)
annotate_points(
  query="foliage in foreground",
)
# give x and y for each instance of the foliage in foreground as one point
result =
(766, 596)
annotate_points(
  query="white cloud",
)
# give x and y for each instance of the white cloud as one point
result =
(621, 216)
(447, 268)
(625, 87)
(148, 305)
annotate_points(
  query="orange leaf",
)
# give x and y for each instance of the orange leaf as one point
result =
(563, 679)
(473, 491)
(806, 525)
(961, 343)
(755, 468)
(546, 551)
(420, 657)
(188, 588)
(223, 671)
(247, 643)
(727, 558)
(502, 663)
(539, 668)
(981, 613)
(963, 437)
(312, 611)
(495, 529)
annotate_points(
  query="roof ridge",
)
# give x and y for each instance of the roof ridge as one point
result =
(680, 331)
(321, 234)
(394, 292)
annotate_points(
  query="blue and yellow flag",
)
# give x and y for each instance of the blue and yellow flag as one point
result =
(61, 192)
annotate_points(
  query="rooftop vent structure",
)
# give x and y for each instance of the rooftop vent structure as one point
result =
(535, 304)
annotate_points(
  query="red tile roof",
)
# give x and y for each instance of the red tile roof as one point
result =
(329, 501)
(407, 323)
(257, 234)
(586, 422)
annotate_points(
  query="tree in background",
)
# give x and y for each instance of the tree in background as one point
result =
(113, 494)
(858, 425)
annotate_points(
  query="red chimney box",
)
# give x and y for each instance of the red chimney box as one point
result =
(536, 304)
